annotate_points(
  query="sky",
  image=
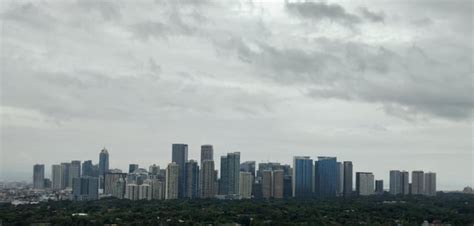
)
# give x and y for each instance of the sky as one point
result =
(385, 84)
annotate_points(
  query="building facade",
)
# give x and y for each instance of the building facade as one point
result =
(302, 176)
(192, 179)
(172, 181)
(430, 184)
(364, 183)
(38, 176)
(245, 185)
(207, 181)
(347, 186)
(417, 182)
(180, 157)
(326, 178)
(207, 152)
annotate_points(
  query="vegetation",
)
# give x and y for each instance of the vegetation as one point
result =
(455, 209)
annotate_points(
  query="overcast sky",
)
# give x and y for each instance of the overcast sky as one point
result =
(386, 84)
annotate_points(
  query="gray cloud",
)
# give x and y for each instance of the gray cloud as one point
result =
(321, 11)
(372, 16)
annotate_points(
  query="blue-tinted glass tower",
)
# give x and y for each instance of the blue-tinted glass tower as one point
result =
(302, 176)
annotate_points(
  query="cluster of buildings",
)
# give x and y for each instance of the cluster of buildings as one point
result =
(183, 178)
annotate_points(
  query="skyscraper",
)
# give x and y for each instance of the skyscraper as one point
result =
(85, 188)
(88, 169)
(364, 183)
(379, 186)
(132, 191)
(154, 169)
(145, 191)
(207, 179)
(430, 184)
(158, 189)
(245, 185)
(327, 175)
(347, 178)
(74, 170)
(207, 152)
(267, 184)
(230, 174)
(103, 162)
(172, 183)
(119, 188)
(339, 179)
(132, 168)
(417, 182)
(248, 166)
(103, 166)
(278, 183)
(192, 179)
(65, 175)
(395, 182)
(302, 176)
(180, 157)
(405, 188)
(110, 181)
(56, 176)
(38, 176)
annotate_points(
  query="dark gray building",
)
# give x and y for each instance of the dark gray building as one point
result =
(347, 178)
(192, 179)
(132, 168)
(207, 152)
(230, 174)
(85, 188)
(180, 157)
(379, 186)
(38, 176)
(248, 166)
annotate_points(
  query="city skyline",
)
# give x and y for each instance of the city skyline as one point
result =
(380, 83)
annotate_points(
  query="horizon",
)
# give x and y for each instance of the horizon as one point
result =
(384, 84)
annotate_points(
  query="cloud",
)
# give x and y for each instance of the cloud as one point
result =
(322, 11)
(372, 16)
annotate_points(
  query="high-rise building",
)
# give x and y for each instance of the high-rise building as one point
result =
(56, 176)
(180, 157)
(379, 186)
(47, 183)
(364, 183)
(302, 176)
(119, 188)
(207, 152)
(326, 176)
(395, 182)
(347, 187)
(74, 170)
(417, 182)
(430, 184)
(267, 184)
(132, 192)
(65, 166)
(144, 191)
(208, 179)
(245, 185)
(268, 166)
(110, 181)
(192, 179)
(158, 189)
(38, 176)
(339, 179)
(287, 186)
(278, 183)
(248, 166)
(103, 166)
(88, 169)
(85, 188)
(230, 173)
(154, 169)
(132, 168)
(405, 186)
(172, 183)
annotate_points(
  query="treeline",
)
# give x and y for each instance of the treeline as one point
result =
(454, 209)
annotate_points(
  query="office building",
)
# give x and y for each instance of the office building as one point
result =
(430, 184)
(339, 179)
(89, 169)
(154, 169)
(267, 184)
(103, 166)
(248, 166)
(180, 157)
(230, 174)
(65, 166)
(74, 170)
(132, 168)
(172, 183)
(56, 176)
(347, 186)
(192, 179)
(85, 188)
(119, 187)
(379, 187)
(364, 183)
(278, 183)
(245, 185)
(38, 176)
(326, 177)
(302, 176)
(417, 182)
(287, 186)
(395, 182)
(207, 152)
(132, 192)
(208, 179)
